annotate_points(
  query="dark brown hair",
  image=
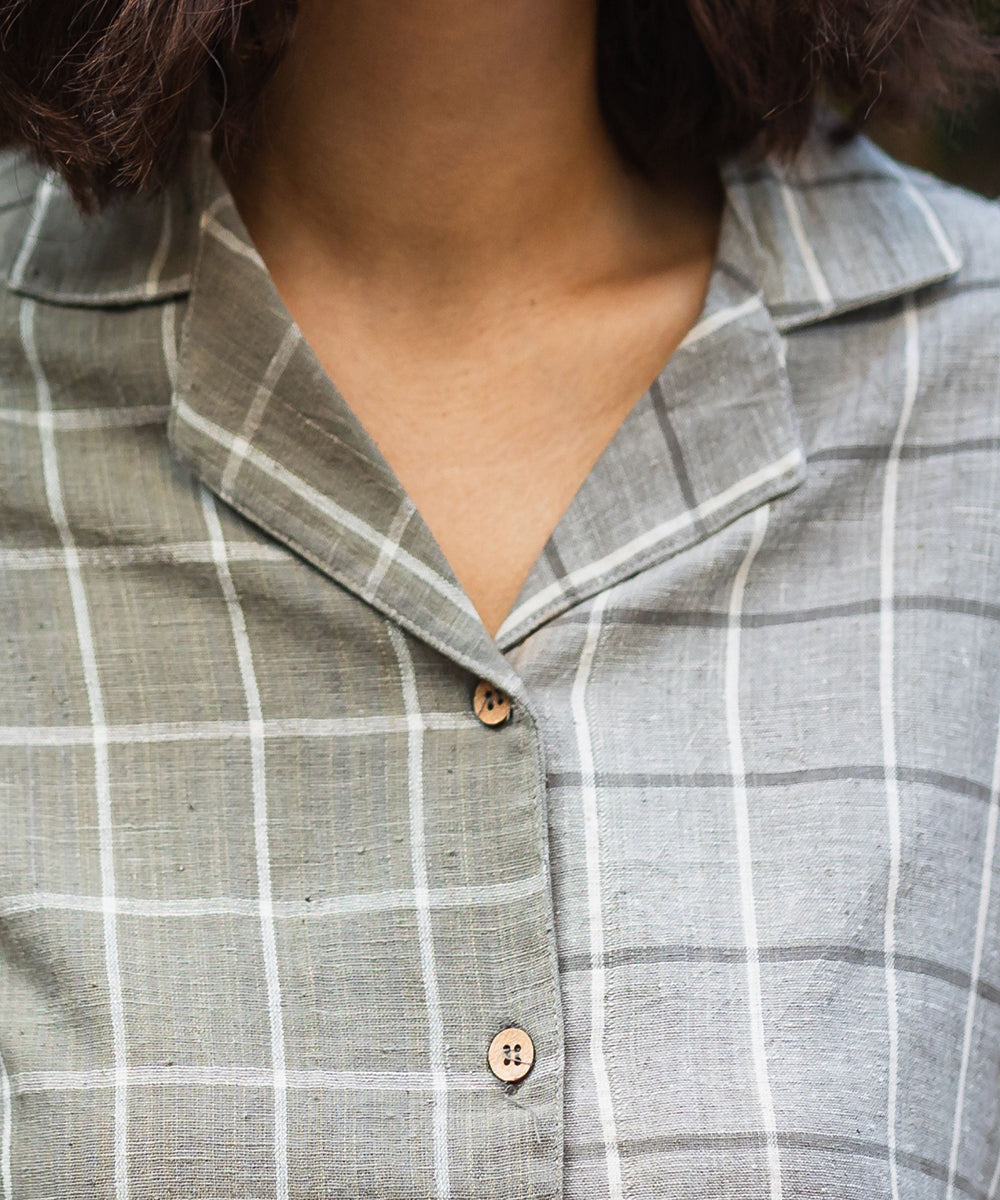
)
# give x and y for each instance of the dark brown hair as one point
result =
(108, 91)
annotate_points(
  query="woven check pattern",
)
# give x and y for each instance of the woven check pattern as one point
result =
(268, 888)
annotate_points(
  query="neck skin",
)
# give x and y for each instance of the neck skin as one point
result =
(446, 218)
(450, 154)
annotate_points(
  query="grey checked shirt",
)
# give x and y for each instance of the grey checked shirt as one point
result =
(268, 887)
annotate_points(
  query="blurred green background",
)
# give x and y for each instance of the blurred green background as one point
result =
(965, 149)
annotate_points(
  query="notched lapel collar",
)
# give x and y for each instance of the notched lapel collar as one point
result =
(256, 417)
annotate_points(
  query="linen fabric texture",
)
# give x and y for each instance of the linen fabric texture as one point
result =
(268, 888)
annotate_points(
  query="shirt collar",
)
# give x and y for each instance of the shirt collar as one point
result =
(842, 228)
(257, 418)
(260, 423)
(715, 435)
(136, 251)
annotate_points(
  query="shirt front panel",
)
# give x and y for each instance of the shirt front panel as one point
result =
(735, 806)
(271, 887)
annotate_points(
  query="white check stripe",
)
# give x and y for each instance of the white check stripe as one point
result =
(887, 635)
(102, 782)
(89, 418)
(719, 320)
(43, 199)
(394, 535)
(181, 1076)
(734, 731)
(991, 1191)
(941, 239)
(806, 251)
(206, 731)
(646, 541)
(425, 929)
(985, 888)
(168, 336)
(227, 238)
(223, 201)
(261, 843)
(327, 507)
(455, 896)
(179, 553)
(6, 1179)
(595, 910)
(159, 258)
(275, 369)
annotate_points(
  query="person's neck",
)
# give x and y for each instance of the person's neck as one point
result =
(428, 146)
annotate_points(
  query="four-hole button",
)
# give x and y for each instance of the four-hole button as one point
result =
(511, 1055)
